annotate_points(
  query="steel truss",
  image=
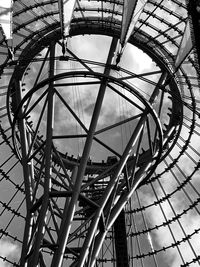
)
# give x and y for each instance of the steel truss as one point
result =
(89, 188)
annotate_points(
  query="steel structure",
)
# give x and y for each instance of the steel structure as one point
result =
(100, 122)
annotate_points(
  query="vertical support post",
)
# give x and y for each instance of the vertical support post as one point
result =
(27, 172)
(57, 260)
(160, 83)
(33, 262)
(58, 257)
(121, 240)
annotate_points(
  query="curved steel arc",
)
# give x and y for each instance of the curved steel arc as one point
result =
(77, 74)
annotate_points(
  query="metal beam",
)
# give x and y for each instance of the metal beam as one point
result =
(117, 208)
(27, 172)
(33, 262)
(67, 221)
(108, 192)
(61, 241)
(121, 241)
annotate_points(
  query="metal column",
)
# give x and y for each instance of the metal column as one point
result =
(33, 262)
